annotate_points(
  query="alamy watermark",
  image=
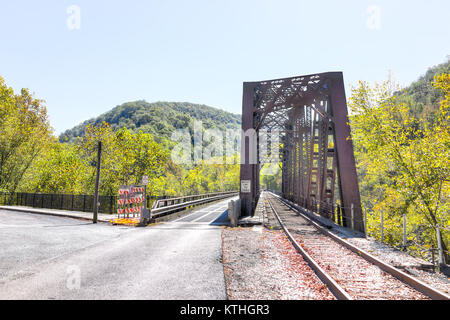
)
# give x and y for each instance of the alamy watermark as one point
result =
(73, 21)
(73, 281)
(373, 21)
(213, 146)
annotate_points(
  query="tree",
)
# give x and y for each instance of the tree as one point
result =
(24, 133)
(401, 160)
(126, 156)
(58, 170)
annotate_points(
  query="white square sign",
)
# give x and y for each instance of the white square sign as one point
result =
(145, 180)
(246, 186)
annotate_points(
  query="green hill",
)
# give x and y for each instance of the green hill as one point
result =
(159, 118)
(422, 97)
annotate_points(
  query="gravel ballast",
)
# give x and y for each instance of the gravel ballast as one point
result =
(261, 264)
(404, 261)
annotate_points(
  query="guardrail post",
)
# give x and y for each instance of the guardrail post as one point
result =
(111, 204)
(353, 216)
(339, 217)
(441, 253)
(365, 222)
(404, 231)
(382, 226)
(432, 257)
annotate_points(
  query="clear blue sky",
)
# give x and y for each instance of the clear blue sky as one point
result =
(202, 51)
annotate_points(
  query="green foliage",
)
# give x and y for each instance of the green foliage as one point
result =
(270, 176)
(59, 170)
(32, 160)
(403, 162)
(71, 168)
(422, 97)
(159, 119)
(205, 177)
(24, 134)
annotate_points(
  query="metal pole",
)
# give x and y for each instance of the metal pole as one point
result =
(441, 253)
(365, 221)
(97, 181)
(353, 216)
(404, 231)
(382, 226)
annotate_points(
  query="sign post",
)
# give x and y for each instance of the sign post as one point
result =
(145, 214)
(97, 181)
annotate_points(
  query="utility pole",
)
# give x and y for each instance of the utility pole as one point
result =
(97, 180)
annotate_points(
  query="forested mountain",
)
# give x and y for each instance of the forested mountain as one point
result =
(159, 118)
(422, 98)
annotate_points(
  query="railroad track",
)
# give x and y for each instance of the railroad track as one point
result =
(349, 272)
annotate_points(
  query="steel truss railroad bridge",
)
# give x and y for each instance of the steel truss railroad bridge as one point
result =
(309, 116)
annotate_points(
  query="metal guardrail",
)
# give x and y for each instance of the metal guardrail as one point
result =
(165, 207)
(162, 205)
(69, 202)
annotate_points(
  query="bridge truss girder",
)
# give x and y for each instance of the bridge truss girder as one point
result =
(310, 113)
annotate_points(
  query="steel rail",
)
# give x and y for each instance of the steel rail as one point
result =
(333, 286)
(400, 275)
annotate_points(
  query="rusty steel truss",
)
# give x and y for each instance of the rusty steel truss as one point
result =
(309, 113)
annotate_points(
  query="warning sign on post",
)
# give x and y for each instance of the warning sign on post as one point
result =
(131, 204)
(246, 186)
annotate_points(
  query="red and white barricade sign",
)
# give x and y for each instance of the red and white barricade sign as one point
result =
(131, 202)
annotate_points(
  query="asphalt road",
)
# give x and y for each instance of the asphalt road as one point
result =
(45, 257)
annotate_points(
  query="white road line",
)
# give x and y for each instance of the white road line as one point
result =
(206, 213)
(188, 215)
(167, 225)
(194, 212)
(213, 211)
